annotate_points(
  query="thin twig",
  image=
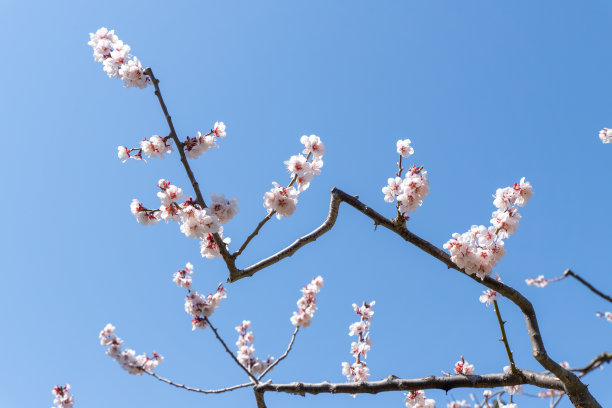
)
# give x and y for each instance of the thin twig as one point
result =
(556, 402)
(573, 274)
(271, 366)
(250, 237)
(504, 337)
(393, 383)
(230, 352)
(595, 363)
(185, 387)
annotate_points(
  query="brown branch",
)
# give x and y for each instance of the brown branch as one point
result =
(595, 363)
(393, 383)
(229, 261)
(271, 366)
(185, 387)
(576, 390)
(230, 352)
(504, 337)
(259, 398)
(250, 237)
(573, 274)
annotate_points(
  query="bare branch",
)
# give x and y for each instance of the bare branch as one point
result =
(504, 337)
(259, 399)
(250, 237)
(393, 383)
(271, 366)
(230, 352)
(185, 387)
(595, 363)
(573, 274)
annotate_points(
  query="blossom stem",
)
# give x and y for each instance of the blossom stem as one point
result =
(505, 338)
(229, 351)
(271, 366)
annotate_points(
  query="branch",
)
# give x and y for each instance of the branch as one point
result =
(230, 353)
(595, 363)
(271, 366)
(571, 273)
(185, 387)
(504, 337)
(576, 390)
(229, 261)
(393, 383)
(250, 237)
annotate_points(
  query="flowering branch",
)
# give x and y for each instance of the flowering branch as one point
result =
(185, 387)
(393, 383)
(575, 389)
(271, 366)
(229, 261)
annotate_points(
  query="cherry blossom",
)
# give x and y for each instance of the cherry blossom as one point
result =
(200, 306)
(116, 59)
(307, 304)
(156, 147)
(393, 189)
(488, 297)
(313, 145)
(463, 367)
(63, 398)
(199, 144)
(605, 135)
(458, 404)
(359, 371)
(281, 200)
(246, 351)
(143, 216)
(127, 359)
(539, 282)
(478, 250)
(219, 129)
(417, 399)
(183, 278)
(208, 246)
(224, 209)
(404, 149)
(606, 315)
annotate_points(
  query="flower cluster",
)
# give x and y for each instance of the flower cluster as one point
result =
(196, 304)
(463, 367)
(157, 146)
(127, 359)
(478, 250)
(539, 282)
(458, 404)
(63, 398)
(195, 146)
(359, 371)
(307, 304)
(411, 190)
(605, 135)
(195, 221)
(550, 393)
(246, 350)
(116, 58)
(606, 315)
(512, 389)
(283, 200)
(489, 295)
(417, 399)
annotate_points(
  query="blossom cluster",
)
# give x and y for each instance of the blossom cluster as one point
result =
(489, 296)
(116, 58)
(417, 399)
(463, 367)
(283, 200)
(307, 304)
(195, 221)
(127, 359)
(539, 282)
(246, 351)
(512, 389)
(200, 307)
(199, 144)
(478, 250)
(157, 146)
(359, 371)
(605, 135)
(63, 398)
(411, 190)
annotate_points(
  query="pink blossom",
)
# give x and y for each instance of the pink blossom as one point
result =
(404, 149)
(282, 200)
(63, 398)
(605, 135)
(463, 367)
(540, 282)
(417, 399)
(307, 304)
(312, 144)
(246, 350)
(127, 359)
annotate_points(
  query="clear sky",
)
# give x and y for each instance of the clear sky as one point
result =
(487, 91)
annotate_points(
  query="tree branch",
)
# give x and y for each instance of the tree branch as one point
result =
(393, 383)
(595, 363)
(271, 366)
(575, 389)
(230, 353)
(185, 387)
(504, 337)
(573, 274)
(229, 261)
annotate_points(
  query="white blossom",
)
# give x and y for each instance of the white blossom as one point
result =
(605, 135)
(404, 149)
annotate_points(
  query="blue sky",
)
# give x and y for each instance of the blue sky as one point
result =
(487, 91)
